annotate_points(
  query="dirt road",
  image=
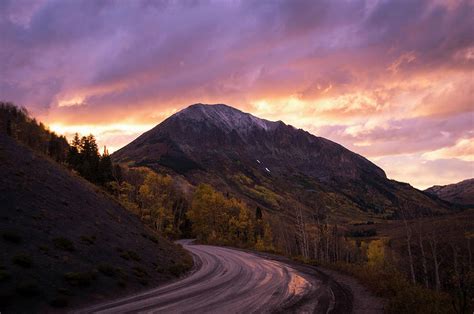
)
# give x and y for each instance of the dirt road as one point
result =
(232, 281)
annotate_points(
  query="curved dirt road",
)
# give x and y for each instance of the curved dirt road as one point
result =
(232, 281)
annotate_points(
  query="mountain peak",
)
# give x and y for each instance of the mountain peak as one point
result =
(261, 160)
(224, 117)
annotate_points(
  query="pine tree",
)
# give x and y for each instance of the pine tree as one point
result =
(105, 171)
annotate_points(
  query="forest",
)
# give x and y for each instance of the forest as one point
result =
(421, 264)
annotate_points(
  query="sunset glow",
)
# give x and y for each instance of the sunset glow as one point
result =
(392, 81)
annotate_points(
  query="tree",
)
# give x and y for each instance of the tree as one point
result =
(155, 200)
(302, 233)
(245, 225)
(376, 254)
(202, 212)
(408, 234)
(105, 169)
(268, 237)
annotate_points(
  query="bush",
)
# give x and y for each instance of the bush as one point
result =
(130, 255)
(88, 240)
(153, 239)
(28, 288)
(107, 269)
(22, 260)
(11, 236)
(64, 244)
(139, 271)
(180, 268)
(80, 279)
(362, 233)
(402, 296)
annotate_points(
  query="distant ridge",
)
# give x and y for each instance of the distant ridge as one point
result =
(457, 193)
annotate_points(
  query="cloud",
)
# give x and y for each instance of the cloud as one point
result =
(381, 77)
(423, 173)
(404, 136)
(463, 150)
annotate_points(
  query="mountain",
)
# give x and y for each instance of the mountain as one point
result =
(64, 242)
(457, 193)
(271, 164)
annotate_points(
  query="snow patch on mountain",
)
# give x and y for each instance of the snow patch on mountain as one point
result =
(226, 117)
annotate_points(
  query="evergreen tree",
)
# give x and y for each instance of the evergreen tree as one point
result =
(105, 168)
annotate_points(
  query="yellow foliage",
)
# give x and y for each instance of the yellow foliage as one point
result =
(217, 219)
(376, 253)
(156, 202)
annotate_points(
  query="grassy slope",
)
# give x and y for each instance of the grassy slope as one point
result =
(53, 223)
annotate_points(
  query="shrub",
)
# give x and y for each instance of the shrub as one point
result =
(64, 244)
(11, 236)
(160, 269)
(88, 240)
(180, 268)
(22, 260)
(28, 288)
(150, 237)
(80, 279)
(402, 296)
(153, 239)
(107, 269)
(130, 255)
(139, 271)
(361, 233)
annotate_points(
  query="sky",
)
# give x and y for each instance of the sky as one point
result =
(390, 80)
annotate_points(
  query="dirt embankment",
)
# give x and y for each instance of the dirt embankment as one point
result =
(63, 241)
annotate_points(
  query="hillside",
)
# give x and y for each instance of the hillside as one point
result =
(457, 193)
(65, 243)
(272, 165)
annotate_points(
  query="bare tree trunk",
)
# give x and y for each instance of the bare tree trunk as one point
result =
(434, 251)
(455, 261)
(320, 239)
(315, 240)
(285, 239)
(423, 258)
(410, 256)
(469, 253)
(326, 228)
(334, 244)
(303, 237)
